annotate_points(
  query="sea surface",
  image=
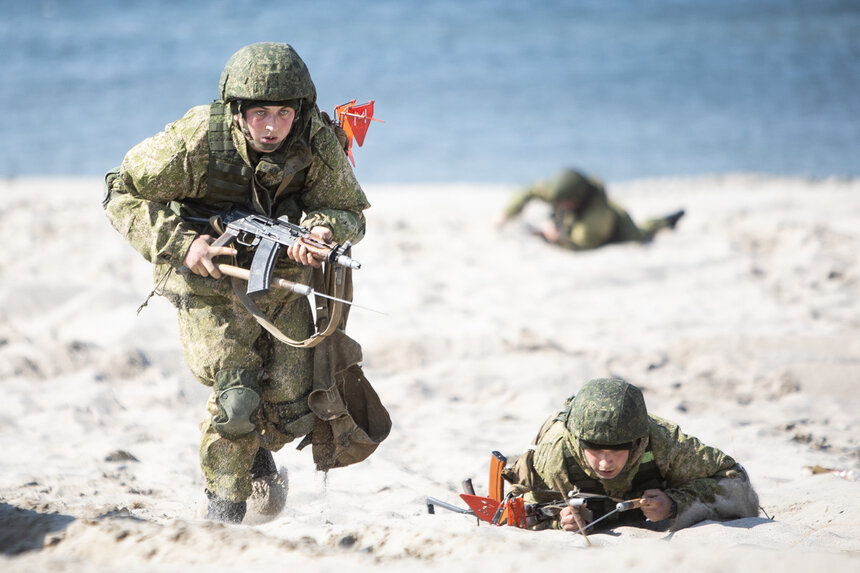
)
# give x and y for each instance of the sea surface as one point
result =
(483, 91)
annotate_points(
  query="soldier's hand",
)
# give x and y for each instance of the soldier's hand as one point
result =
(198, 259)
(568, 518)
(550, 232)
(656, 505)
(302, 255)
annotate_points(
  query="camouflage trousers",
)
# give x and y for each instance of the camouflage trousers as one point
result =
(602, 225)
(627, 230)
(227, 349)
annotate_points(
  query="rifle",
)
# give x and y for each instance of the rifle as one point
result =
(500, 509)
(513, 511)
(268, 236)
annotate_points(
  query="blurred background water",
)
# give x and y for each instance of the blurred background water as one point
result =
(497, 91)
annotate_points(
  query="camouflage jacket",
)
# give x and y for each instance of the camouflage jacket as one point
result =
(173, 166)
(691, 473)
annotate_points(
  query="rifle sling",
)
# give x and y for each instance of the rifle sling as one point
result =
(326, 324)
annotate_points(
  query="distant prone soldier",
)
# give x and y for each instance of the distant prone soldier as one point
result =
(583, 217)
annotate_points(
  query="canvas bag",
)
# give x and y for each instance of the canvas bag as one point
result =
(351, 420)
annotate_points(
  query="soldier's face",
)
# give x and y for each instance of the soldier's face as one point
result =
(269, 126)
(607, 463)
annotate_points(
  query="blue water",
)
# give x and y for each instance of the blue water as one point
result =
(477, 91)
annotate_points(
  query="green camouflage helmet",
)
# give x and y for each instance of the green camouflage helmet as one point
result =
(266, 71)
(570, 184)
(608, 411)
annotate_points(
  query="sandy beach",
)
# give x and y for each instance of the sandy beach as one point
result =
(743, 326)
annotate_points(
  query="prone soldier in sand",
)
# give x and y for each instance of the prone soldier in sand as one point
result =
(263, 146)
(583, 217)
(604, 442)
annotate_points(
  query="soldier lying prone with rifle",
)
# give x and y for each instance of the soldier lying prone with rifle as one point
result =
(603, 460)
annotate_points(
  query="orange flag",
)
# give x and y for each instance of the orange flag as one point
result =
(355, 119)
(359, 120)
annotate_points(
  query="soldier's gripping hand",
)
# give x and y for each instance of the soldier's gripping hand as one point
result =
(550, 232)
(302, 255)
(571, 519)
(199, 256)
(656, 505)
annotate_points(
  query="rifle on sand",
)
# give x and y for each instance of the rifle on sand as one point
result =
(499, 508)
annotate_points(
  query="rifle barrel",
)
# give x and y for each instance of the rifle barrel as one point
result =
(432, 501)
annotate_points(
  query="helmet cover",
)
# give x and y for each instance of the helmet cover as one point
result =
(570, 184)
(608, 411)
(266, 71)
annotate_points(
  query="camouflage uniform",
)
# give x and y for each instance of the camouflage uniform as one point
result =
(225, 347)
(702, 481)
(595, 221)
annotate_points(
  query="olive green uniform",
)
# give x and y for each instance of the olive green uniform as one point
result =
(595, 221)
(704, 482)
(224, 346)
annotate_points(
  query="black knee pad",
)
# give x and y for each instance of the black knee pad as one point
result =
(238, 397)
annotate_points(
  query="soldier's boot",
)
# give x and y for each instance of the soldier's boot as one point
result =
(269, 488)
(264, 464)
(224, 510)
(672, 220)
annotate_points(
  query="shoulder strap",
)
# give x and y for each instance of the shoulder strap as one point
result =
(331, 315)
(228, 175)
